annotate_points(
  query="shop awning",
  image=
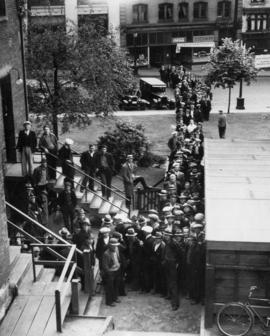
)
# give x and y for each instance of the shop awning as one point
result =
(196, 44)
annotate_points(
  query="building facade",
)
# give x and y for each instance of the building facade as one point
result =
(177, 31)
(12, 114)
(256, 25)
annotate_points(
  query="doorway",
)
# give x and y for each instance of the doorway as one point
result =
(8, 119)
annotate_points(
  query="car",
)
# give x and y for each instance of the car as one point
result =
(133, 102)
(154, 90)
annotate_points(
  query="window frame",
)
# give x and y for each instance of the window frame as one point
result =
(200, 5)
(166, 6)
(221, 9)
(256, 21)
(136, 12)
(187, 8)
(3, 8)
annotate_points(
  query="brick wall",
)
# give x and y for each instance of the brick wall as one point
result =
(10, 56)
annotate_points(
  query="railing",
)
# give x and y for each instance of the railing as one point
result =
(93, 192)
(147, 199)
(62, 288)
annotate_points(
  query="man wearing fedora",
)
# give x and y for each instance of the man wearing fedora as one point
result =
(130, 180)
(67, 201)
(27, 143)
(111, 272)
(159, 271)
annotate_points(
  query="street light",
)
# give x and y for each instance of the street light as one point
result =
(21, 11)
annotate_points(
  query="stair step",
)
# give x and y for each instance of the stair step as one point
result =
(28, 280)
(114, 208)
(39, 287)
(86, 199)
(105, 207)
(19, 269)
(83, 302)
(145, 333)
(94, 306)
(48, 275)
(59, 185)
(96, 202)
(14, 253)
(77, 182)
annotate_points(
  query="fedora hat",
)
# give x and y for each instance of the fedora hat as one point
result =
(131, 232)
(113, 242)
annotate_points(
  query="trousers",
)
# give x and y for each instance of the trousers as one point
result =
(27, 161)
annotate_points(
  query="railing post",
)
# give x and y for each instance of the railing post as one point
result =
(33, 264)
(75, 304)
(58, 311)
(209, 295)
(87, 268)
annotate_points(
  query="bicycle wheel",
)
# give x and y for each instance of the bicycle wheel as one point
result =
(234, 319)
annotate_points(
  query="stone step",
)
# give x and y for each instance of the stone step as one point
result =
(19, 269)
(114, 209)
(96, 202)
(145, 333)
(105, 207)
(87, 199)
(94, 306)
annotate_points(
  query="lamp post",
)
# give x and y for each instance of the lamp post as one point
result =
(21, 11)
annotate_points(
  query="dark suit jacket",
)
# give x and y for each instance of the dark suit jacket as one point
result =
(25, 140)
(88, 162)
(107, 261)
(109, 159)
(62, 199)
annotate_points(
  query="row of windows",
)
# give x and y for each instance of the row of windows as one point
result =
(258, 22)
(2, 8)
(165, 11)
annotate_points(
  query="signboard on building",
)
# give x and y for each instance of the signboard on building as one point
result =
(262, 61)
(204, 38)
(178, 39)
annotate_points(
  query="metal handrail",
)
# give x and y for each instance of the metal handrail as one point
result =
(87, 189)
(65, 269)
(41, 226)
(78, 169)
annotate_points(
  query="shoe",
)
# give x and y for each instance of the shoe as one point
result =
(117, 301)
(111, 304)
(175, 308)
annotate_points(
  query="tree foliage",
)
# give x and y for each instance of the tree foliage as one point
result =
(77, 74)
(126, 138)
(230, 63)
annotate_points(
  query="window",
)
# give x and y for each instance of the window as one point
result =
(165, 12)
(257, 2)
(200, 10)
(2, 8)
(224, 9)
(257, 22)
(183, 11)
(140, 13)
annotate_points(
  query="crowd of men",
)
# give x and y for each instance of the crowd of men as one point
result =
(161, 252)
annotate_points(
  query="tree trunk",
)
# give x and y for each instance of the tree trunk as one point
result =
(55, 102)
(229, 102)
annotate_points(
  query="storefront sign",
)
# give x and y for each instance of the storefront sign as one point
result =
(262, 61)
(204, 38)
(178, 39)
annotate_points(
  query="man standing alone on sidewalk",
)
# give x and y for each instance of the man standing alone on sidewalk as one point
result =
(222, 124)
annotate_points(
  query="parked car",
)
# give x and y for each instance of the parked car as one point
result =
(134, 102)
(154, 90)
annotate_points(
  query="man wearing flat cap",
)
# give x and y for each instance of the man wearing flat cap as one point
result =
(111, 272)
(27, 143)
(66, 158)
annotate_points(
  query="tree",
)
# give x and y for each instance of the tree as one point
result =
(77, 75)
(230, 63)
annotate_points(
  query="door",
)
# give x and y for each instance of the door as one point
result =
(8, 119)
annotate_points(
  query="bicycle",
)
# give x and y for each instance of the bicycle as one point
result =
(238, 318)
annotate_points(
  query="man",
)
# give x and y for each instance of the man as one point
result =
(130, 180)
(41, 177)
(222, 124)
(111, 272)
(147, 258)
(48, 144)
(173, 141)
(27, 143)
(158, 256)
(87, 161)
(105, 167)
(68, 201)
(66, 158)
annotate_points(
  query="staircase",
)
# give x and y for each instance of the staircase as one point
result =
(93, 202)
(32, 312)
